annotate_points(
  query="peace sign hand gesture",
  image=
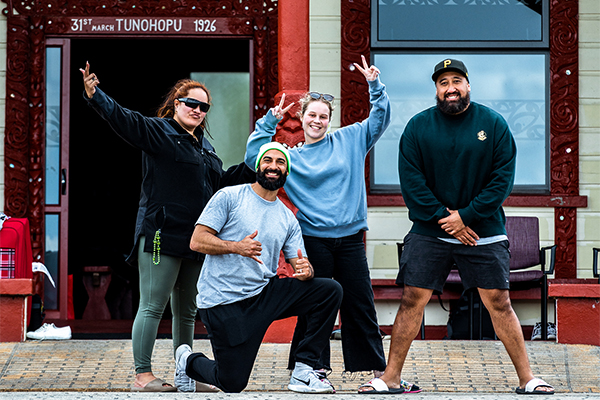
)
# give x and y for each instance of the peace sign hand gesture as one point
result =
(371, 73)
(90, 81)
(278, 111)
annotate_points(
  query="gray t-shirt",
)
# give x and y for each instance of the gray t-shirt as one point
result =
(236, 212)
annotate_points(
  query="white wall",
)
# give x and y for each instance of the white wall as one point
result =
(325, 51)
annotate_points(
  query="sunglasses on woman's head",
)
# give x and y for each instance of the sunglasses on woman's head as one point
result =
(318, 96)
(193, 104)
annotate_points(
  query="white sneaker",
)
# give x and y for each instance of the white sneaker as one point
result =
(183, 383)
(308, 381)
(323, 377)
(50, 332)
(536, 334)
(551, 331)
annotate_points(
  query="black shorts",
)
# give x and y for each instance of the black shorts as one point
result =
(427, 261)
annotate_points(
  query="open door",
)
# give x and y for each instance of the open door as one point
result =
(93, 176)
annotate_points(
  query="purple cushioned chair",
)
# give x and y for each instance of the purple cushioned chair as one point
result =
(524, 238)
(525, 252)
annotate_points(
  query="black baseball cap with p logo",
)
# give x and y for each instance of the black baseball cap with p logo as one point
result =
(449, 65)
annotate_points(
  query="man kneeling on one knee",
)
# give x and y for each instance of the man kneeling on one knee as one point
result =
(242, 231)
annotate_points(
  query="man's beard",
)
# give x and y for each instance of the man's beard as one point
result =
(270, 184)
(455, 107)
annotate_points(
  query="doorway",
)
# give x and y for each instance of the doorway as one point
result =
(104, 172)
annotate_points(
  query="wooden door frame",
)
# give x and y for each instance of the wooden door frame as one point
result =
(63, 204)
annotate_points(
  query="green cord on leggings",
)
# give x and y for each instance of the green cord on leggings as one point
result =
(173, 278)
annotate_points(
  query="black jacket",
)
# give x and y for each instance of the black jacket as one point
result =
(180, 174)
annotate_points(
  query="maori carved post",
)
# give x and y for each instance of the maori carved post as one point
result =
(16, 137)
(36, 138)
(260, 68)
(564, 130)
(356, 33)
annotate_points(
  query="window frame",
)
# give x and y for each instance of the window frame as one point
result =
(471, 47)
(466, 44)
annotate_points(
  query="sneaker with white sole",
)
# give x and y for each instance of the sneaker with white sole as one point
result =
(551, 331)
(309, 381)
(323, 377)
(50, 332)
(183, 382)
(536, 334)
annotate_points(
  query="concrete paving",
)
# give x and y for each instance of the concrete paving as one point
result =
(274, 396)
(448, 370)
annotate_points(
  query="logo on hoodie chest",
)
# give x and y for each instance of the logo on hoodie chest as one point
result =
(481, 135)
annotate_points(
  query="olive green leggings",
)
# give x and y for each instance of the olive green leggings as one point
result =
(175, 278)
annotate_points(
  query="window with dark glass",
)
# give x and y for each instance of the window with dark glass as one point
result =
(508, 72)
(459, 20)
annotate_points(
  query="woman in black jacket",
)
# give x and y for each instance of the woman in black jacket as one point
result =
(181, 171)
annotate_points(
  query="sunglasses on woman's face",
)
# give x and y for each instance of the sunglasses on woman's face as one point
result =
(318, 96)
(193, 104)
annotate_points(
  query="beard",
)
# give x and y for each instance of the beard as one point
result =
(455, 107)
(270, 184)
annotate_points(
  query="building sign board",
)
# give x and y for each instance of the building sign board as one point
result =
(153, 25)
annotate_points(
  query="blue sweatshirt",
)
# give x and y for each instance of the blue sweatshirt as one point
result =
(327, 181)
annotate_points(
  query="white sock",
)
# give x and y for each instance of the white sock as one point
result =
(299, 367)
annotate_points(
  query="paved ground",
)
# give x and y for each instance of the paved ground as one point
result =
(275, 396)
(448, 370)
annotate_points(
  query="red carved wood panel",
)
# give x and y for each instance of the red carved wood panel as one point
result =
(564, 115)
(28, 26)
(564, 128)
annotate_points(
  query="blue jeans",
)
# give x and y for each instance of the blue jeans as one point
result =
(344, 259)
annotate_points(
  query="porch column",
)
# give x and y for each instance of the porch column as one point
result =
(294, 68)
(294, 45)
(294, 78)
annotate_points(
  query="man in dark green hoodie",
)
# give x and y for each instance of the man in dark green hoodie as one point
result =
(457, 166)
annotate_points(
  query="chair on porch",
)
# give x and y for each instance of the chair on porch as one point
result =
(595, 263)
(526, 254)
(524, 238)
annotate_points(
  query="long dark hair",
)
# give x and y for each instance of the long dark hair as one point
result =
(182, 89)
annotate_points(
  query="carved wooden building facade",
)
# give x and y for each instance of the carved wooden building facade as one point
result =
(31, 24)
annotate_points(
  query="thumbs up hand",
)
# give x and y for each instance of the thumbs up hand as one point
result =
(303, 268)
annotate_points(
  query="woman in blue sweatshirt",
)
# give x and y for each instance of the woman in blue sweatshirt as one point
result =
(327, 186)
